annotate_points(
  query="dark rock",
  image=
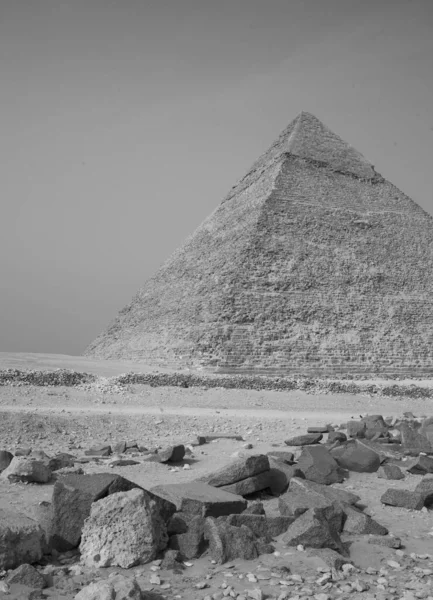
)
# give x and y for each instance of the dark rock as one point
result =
(388, 471)
(319, 466)
(280, 475)
(282, 455)
(336, 436)
(23, 451)
(315, 529)
(26, 469)
(295, 503)
(337, 496)
(172, 454)
(356, 429)
(414, 442)
(385, 540)
(192, 543)
(201, 499)
(101, 450)
(262, 526)
(304, 440)
(331, 558)
(25, 574)
(5, 459)
(61, 461)
(172, 561)
(237, 470)
(255, 508)
(227, 542)
(426, 429)
(119, 447)
(403, 498)
(360, 523)
(248, 486)
(124, 462)
(319, 429)
(425, 488)
(356, 456)
(21, 539)
(421, 466)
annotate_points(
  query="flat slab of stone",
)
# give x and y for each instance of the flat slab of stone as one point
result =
(250, 485)
(304, 440)
(201, 499)
(403, 499)
(337, 496)
(357, 456)
(239, 469)
(318, 429)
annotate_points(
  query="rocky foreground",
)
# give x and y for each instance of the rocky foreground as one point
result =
(278, 525)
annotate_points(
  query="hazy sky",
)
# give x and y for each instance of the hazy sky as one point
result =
(123, 123)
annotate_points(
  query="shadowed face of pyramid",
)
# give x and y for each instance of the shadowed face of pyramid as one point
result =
(313, 264)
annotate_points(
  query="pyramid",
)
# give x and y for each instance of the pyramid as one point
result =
(313, 264)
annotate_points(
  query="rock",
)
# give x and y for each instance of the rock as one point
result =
(319, 466)
(318, 429)
(23, 451)
(99, 450)
(244, 487)
(331, 558)
(336, 436)
(61, 461)
(356, 456)
(421, 466)
(260, 525)
(403, 498)
(25, 574)
(255, 508)
(426, 429)
(21, 539)
(172, 454)
(295, 503)
(227, 542)
(281, 455)
(241, 468)
(201, 499)
(280, 475)
(5, 459)
(123, 530)
(388, 471)
(414, 442)
(119, 447)
(385, 540)
(337, 496)
(123, 462)
(26, 469)
(360, 523)
(315, 529)
(190, 544)
(114, 588)
(356, 429)
(72, 499)
(425, 488)
(304, 440)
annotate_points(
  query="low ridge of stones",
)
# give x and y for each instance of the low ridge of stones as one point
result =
(103, 520)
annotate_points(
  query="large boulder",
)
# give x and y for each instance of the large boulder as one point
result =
(73, 496)
(421, 465)
(122, 530)
(5, 459)
(21, 539)
(172, 454)
(199, 498)
(414, 442)
(356, 456)
(359, 523)
(189, 542)
(241, 468)
(227, 542)
(27, 469)
(337, 496)
(114, 588)
(316, 528)
(426, 429)
(296, 503)
(280, 475)
(27, 575)
(318, 465)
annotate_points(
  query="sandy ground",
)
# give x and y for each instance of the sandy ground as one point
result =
(72, 419)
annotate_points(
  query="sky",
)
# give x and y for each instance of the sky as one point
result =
(124, 123)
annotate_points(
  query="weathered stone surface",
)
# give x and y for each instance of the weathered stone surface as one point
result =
(123, 462)
(171, 454)
(426, 429)
(21, 539)
(244, 487)
(295, 503)
(318, 465)
(5, 459)
(255, 508)
(280, 475)
(358, 522)
(26, 469)
(336, 436)
(190, 544)
(388, 471)
(331, 558)
(356, 429)
(318, 429)
(61, 461)
(425, 488)
(282, 455)
(119, 447)
(385, 540)
(201, 499)
(262, 526)
(122, 530)
(354, 455)
(114, 588)
(72, 499)
(313, 529)
(227, 542)
(99, 450)
(304, 440)
(337, 496)
(25, 574)
(414, 442)
(241, 468)
(172, 561)
(403, 498)
(421, 466)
